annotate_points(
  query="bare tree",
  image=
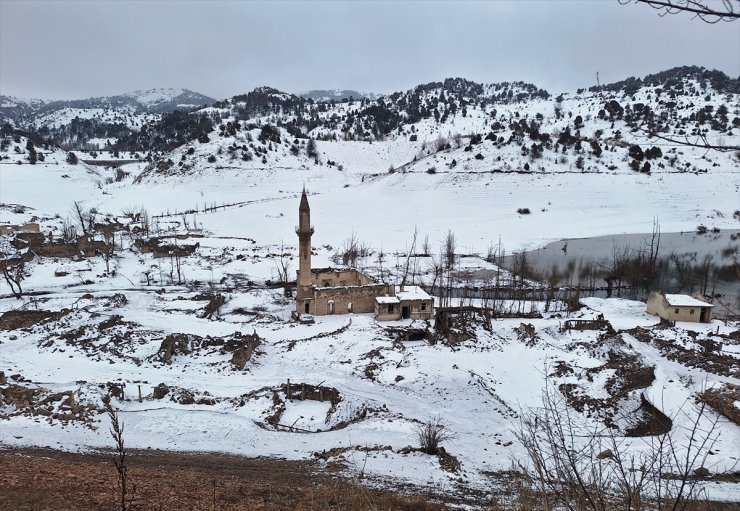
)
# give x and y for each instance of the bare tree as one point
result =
(352, 250)
(119, 460)
(698, 140)
(654, 246)
(12, 266)
(579, 468)
(282, 264)
(426, 247)
(705, 10)
(69, 231)
(449, 249)
(409, 255)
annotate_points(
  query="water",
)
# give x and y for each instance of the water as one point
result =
(688, 262)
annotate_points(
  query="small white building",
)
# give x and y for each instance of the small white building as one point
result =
(407, 302)
(674, 307)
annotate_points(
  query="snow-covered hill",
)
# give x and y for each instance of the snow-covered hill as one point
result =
(325, 95)
(508, 165)
(77, 123)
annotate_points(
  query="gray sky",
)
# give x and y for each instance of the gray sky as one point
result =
(76, 49)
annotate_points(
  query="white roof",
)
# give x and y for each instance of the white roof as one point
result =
(412, 293)
(387, 299)
(685, 301)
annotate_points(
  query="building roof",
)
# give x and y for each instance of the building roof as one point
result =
(387, 299)
(304, 202)
(412, 293)
(685, 301)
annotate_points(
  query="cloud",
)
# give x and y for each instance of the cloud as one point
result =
(72, 49)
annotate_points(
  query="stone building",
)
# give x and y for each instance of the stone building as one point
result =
(679, 307)
(406, 302)
(324, 291)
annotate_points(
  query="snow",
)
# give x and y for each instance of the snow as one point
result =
(153, 97)
(480, 387)
(412, 293)
(685, 301)
(387, 299)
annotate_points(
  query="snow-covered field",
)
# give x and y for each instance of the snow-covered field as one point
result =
(479, 387)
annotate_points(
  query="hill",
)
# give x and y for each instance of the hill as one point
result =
(167, 277)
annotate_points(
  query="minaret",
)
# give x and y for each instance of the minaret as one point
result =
(304, 293)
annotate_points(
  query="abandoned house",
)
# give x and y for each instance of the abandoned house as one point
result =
(324, 291)
(679, 307)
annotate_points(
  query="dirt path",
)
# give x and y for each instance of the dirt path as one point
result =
(39, 479)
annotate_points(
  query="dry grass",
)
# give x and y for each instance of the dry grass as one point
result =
(41, 480)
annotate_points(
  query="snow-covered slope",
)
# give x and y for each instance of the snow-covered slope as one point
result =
(376, 172)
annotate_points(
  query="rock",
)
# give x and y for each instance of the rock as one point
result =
(243, 347)
(240, 357)
(116, 389)
(605, 454)
(160, 391)
(701, 472)
(16, 319)
(172, 345)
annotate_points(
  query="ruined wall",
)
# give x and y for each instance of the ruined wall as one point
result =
(382, 314)
(335, 278)
(416, 311)
(36, 242)
(362, 299)
(6, 229)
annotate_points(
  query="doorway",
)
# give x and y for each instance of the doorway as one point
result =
(405, 312)
(703, 315)
(331, 307)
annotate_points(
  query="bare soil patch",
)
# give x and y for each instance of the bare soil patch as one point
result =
(38, 479)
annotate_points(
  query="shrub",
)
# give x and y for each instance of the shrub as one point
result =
(523, 211)
(432, 170)
(211, 159)
(121, 175)
(431, 434)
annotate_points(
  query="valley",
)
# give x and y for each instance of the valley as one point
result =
(165, 286)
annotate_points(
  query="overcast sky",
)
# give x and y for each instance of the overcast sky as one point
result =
(76, 49)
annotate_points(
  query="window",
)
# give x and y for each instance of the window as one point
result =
(675, 311)
(327, 283)
(423, 306)
(691, 311)
(390, 307)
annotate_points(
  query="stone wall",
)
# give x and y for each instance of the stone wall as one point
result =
(335, 278)
(362, 299)
(6, 229)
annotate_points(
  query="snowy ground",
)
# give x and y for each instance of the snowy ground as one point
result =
(479, 387)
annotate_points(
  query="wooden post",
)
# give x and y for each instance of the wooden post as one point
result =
(303, 391)
(287, 393)
(139, 393)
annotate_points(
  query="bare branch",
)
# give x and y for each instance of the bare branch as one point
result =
(726, 10)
